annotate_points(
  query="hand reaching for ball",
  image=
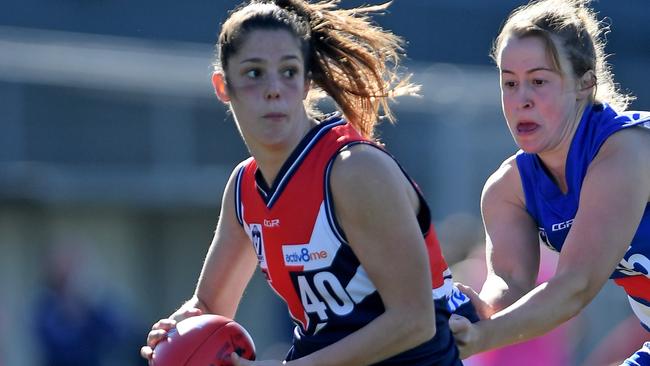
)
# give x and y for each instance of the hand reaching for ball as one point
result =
(160, 329)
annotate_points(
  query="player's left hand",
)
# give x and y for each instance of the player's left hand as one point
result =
(238, 361)
(467, 335)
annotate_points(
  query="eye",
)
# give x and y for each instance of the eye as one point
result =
(253, 73)
(538, 82)
(289, 72)
(509, 84)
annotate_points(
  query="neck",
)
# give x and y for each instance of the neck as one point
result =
(271, 158)
(270, 165)
(555, 159)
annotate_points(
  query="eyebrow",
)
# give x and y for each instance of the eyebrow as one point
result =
(505, 71)
(261, 60)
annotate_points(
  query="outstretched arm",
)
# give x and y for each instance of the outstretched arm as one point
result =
(512, 242)
(228, 267)
(614, 194)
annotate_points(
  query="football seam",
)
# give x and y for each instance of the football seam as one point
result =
(204, 341)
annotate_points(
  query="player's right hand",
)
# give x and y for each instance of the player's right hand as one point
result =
(483, 309)
(160, 329)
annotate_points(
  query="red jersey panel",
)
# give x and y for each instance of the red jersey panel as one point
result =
(300, 246)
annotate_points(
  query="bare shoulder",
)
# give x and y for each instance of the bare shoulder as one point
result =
(361, 158)
(365, 179)
(632, 142)
(366, 164)
(229, 190)
(228, 219)
(504, 184)
(626, 153)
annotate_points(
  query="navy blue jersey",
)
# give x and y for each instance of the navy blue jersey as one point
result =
(554, 211)
(304, 254)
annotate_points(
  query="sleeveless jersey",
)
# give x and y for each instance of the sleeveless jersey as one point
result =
(306, 259)
(554, 211)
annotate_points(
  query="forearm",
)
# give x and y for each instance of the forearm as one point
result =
(389, 334)
(538, 312)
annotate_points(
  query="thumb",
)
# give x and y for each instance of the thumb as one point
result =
(236, 360)
(458, 323)
(193, 312)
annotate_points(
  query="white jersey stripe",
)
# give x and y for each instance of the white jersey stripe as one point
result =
(641, 311)
(360, 286)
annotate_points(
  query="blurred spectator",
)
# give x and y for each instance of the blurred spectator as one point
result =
(71, 327)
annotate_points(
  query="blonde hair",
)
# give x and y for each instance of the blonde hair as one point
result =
(346, 56)
(575, 27)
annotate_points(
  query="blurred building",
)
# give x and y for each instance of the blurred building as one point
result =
(111, 135)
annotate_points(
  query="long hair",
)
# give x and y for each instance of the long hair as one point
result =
(346, 56)
(575, 27)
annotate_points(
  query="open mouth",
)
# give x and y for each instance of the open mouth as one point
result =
(526, 127)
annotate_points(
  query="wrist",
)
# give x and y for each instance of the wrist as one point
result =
(483, 343)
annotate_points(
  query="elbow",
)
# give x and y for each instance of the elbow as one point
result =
(578, 294)
(419, 329)
(423, 332)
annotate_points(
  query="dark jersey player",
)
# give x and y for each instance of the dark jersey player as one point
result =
(342, 234)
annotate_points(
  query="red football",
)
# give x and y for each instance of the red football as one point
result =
(204, 340)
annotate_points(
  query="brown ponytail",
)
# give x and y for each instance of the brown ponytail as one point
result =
(347, 57)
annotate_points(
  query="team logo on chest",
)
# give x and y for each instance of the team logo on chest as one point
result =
(255, 234)
(309, 256)
(258, 242)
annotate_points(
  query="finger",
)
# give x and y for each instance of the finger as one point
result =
(466, 289)
(458, 323)
(186, 313)
(155, 336)
(166, 324)
(193, 312)
(146, 352)
(236, 360)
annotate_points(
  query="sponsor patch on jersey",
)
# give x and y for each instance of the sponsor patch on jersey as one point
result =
(321, 250)
(306, 255)
(562, 225)
(272, 222)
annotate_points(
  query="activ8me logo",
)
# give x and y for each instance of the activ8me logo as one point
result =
(295, 255)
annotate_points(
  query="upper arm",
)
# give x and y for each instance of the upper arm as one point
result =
(512, 244)
(230, 261)
(614, 194)
(376, 207)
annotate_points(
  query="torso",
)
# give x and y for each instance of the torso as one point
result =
(301, 248)
(554, 211)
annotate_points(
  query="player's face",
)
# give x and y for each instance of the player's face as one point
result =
(266, 88)
(539, 102)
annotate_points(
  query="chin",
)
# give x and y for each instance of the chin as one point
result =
(531, 150)
(528, 148)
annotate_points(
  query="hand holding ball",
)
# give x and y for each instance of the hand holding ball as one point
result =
(204, 340)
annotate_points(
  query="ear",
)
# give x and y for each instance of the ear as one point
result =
(586, 84)
(219, 84)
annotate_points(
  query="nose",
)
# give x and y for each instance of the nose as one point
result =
(524, 98)
(273, 89)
